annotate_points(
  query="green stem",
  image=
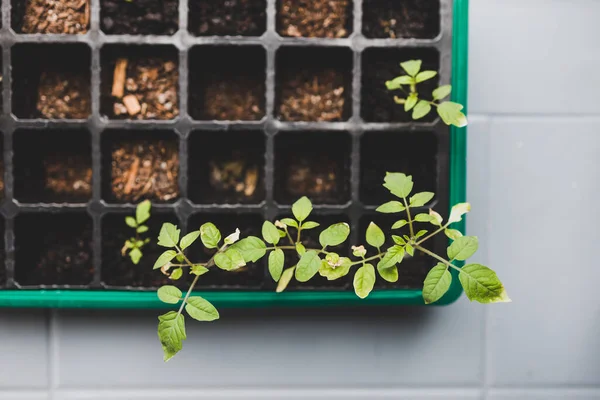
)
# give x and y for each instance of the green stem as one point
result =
(288, 235)
(440, 259)
(365, 260)
(410, 223)
(431, 235)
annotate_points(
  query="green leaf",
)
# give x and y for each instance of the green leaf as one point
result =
(412, 67)
(463, 248)
(364, 280)
(164, 258)
(142, 211)
(130, 221)
(453, 233)
(302, 209)
(188, 239)
(436, 219)
(285, 280)
(310, 225)
(169, 294)
(420, 199)
(176, 274)
(390, 274)
(334, 235)
(135, 255)
(230, 260)
(251, 248)
(270, 233)
(300, 249)
(201, 309)
(397, 83)
(232, 238)
(482, 284)
(409, 250)
(421, 233)
(338, 270)
(142, 229)
(393, 256)
(180, 258)
(411, 101)
(210, 235)
(391, 207)
(359, 251)
(171, 333)
(399, 240)
(425, 76)
(451, 114)
(198, 270)
(289, 222)
(436, 283)
(458, 211)
(442, 92)
(398, 184)
(399, 224)
(308, 266)
(423, 218)
(421, 109)
(276, 261)
(375, 236)
(169, 235)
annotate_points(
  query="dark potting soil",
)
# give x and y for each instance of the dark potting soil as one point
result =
(144, 169)
(51, 16)
(413, 153)
(313, 164)
(227, 83)
(53, 249)
(380, 65)
(232, 173)
(316, 18)
(401, 19)
(139, 17)
(135, 87)
(64, 95)
(229, 17)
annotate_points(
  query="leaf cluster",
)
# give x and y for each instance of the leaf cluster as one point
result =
(133, 246)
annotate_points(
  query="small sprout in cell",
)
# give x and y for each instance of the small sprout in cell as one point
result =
(133, 246)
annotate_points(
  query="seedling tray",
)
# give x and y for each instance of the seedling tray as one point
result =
(229, 84)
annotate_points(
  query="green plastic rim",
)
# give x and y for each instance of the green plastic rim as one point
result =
(137, 300)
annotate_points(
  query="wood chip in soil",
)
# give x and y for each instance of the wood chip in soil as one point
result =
(147, 170)
(70, 175)
(234, 100)
(64, 95)
(234, 175)
(310, 97)
(317, 18)
(56, 16)
(147, 89)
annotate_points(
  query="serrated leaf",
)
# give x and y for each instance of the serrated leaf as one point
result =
(399, 240)
(436, 284)
(285, 280)
(188, 239)
(251, 248)
(169, 235)
(463, 247)
(409, 250)
(375, 236)
(300, 249)
(482, 284)
(164, 258)
(389, 274)
(302, 208)
(169, 294)
(210, 235)
(142, 229)
(270, 233)
(436, 219)
(308, 266)
(142, 211)
(425, 76)
(130, 221)
(171, 333)
(423, 218)
(335, 235)
(391, 207)
(276, 261)
(458, 211)
(310, 225)
(422, 108)
(364, 280)
(135, 255)
(399, 224)
(230, 260)
(176, 274)
(289, 222)
(420, 199)
(453, 233)
(411, 101)
(199, 270)
(333, 272)
(393, 256)
(397, 83)
(442, 92)
(451, 114)
(412, 67)
(201, 309)
(398, 184)
(232, 238)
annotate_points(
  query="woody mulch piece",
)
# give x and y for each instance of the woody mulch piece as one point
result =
(56, 16)
(316, 18)
(145, 170)
(64, 95)
(69, 176)
(231, 17)
(401, 19)
(145, 88)
(235, 175)
(139, 17)
(310, 97)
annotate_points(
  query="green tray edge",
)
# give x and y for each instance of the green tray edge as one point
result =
(140, 300)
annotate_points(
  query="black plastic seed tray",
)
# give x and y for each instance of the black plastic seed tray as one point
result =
(241, 116)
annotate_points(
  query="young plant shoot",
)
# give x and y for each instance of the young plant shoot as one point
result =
(133, 246)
